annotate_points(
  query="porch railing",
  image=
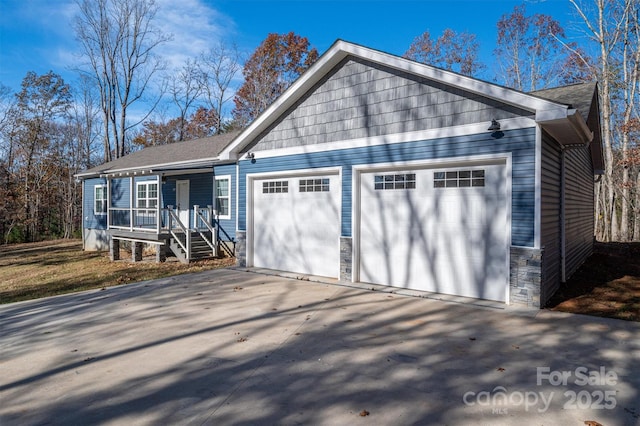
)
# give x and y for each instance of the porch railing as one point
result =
(182, 239)
(202, 219)
(134, 219)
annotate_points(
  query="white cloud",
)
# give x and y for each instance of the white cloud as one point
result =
(195, 27)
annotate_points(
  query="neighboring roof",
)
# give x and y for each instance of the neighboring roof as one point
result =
(555, 114)
(188, 154)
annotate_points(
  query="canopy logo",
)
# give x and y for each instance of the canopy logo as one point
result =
(501, 401)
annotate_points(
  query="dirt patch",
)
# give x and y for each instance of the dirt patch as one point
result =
(607, 285)
(30, 271)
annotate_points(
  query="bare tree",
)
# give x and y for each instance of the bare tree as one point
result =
(119, 39)
(606, 24)
(85, 121)
(452, 51)
(218, 67)
(185, 87)
(528, 50)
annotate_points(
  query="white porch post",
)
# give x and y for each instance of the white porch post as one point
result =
(108, 202)
(158, 204)
(131, 200)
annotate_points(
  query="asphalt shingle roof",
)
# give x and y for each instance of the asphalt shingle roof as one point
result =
(163, 156)
(578, 96)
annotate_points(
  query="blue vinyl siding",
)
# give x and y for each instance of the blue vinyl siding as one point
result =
(200, 190)
(229, 225)
(520, 143)
(90, 219)
(120, 193)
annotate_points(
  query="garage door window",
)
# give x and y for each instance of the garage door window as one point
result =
(314, 185)
(458, 179)
(395, 181)
(275, 187)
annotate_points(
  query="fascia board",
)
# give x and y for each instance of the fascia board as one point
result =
(151, 168)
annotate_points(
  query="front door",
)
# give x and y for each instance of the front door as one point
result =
(182, 201)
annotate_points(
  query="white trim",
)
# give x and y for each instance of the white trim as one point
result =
(420, 135)
(284, 174)
(182, 208)
(147, 198)
(543, 109)
(504, 159)
(215, 196)
(105, 200)
(435, 163)
(537, 220)
(83, 221)
(205, 165)
(238, 200)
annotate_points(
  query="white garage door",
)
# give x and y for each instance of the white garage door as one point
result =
(296, 224)
(439, 230)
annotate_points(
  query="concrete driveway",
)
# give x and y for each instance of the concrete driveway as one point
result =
(232, 347)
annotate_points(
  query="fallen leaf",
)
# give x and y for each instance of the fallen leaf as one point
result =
(592, 423)
(364, 413)
(500, 369)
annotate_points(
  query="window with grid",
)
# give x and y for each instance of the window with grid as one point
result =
(275, 187)
(395, 181)
(100, 199)
(147, 195)
(458, 179)
(223, 197)
(314, 185)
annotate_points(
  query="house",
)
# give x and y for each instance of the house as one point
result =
(156, 195)
(372, 168)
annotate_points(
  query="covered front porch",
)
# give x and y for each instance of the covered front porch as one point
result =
(157, 209)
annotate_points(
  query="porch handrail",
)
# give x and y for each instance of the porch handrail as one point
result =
(174, 217)
(198, 215)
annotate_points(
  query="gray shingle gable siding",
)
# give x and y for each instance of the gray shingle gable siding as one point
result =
(362, 99)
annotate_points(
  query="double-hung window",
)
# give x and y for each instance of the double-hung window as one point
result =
(100, 199)
(147, 197)
(223, 196)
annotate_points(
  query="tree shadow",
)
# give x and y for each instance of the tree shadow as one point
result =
(225, 347)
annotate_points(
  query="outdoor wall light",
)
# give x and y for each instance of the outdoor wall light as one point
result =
(495, 126)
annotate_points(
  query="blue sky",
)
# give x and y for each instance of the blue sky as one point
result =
(37, 35)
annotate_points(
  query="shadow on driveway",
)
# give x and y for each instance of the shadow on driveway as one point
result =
(232, 347)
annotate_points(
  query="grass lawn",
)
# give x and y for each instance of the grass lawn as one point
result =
(30, 271)
(607, 285)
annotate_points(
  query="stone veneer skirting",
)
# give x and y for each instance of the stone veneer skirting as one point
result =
(241, 249)
(346, 258)
(525, 276)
